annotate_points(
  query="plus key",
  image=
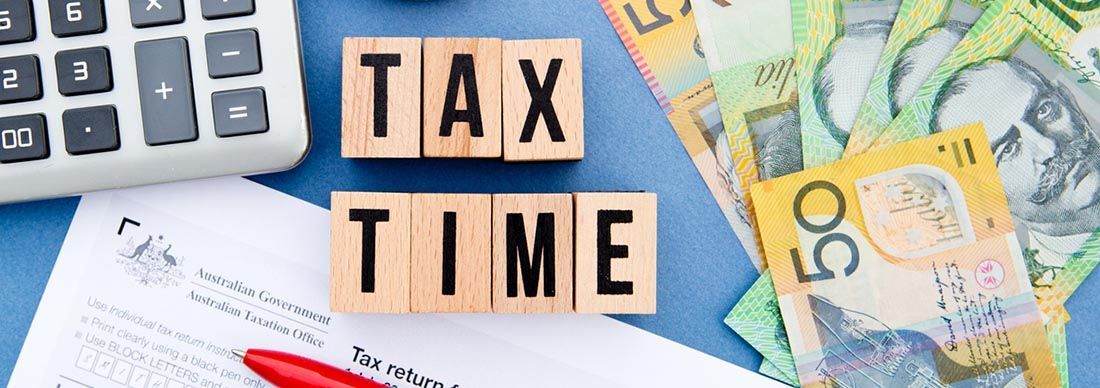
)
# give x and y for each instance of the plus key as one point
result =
(167, 97)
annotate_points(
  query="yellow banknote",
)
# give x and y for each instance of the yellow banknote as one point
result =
(901, 268)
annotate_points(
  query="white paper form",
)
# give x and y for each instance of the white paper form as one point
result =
(154, 286)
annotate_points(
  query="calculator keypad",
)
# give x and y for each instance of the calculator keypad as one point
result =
(233, 53)
(165, 91)
(90, 130)
(84, 71)
(16, 21)
(219, 9)
(151, 13)
(20, 79)
(23, 138)
(77, 17)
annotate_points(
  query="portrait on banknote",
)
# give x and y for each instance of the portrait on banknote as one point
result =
(1042, 127)
(921, 55)
(843, 75)
(776, 138)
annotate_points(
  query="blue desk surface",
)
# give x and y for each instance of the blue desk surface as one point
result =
(702, 270)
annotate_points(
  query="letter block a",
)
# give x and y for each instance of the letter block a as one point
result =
(616, 248)
(370, 252)
(381, 98)
(452, 253)
(543, 100)
(462, 98)
(532, 253)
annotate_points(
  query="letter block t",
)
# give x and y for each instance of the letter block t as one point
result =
(370, 252)
(616, 248)
(532, 253)
(381, 98)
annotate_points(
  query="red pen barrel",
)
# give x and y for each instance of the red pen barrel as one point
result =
(288, 370)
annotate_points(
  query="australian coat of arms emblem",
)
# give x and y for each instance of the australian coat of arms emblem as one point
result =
(151, 262)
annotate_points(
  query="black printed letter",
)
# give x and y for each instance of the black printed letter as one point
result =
(381, 64)
(449, 230)
(462, 70)
(529, 263)
(605, 251)
(370, 219)
(540, 100)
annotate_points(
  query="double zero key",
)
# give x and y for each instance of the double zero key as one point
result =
(165, 90)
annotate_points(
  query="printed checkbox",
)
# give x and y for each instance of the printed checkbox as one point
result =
(176, 384)
(121, 373)
(158, 381)
(86, 359)
(104, 364)
(139, 377)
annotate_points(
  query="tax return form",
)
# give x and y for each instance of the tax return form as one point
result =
(155, 286)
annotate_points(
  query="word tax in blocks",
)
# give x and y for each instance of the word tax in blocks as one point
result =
(463, 98)
(502, 253)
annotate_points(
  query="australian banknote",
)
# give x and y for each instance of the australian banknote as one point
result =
(770, 370)
(890, 261)
(838, 45)
(1028, 71)
(923, 35)
(757, 320)
(750, 54)
(662, 39)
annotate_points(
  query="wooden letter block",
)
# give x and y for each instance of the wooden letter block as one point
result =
(452, 252)
(616, 248)
(381, 98)
(370, 252)
(543, 100)
(462, 97)
(532, 253)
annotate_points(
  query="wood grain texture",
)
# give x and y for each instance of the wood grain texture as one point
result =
(439, 56)
(631, 222)
(563, 56)
(529, 206)
(470, 247)
(402, 122)
(391, 292)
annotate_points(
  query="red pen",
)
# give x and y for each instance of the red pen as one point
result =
(288, 370)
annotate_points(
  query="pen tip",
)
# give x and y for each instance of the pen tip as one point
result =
(239, 353)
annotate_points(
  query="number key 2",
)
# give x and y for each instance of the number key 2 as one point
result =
(19, 79)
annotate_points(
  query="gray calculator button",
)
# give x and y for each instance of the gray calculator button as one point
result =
(90, 130)
(16, 21)
(19, 79)
(150, 13)
(23, 138)
(240, 112)
(218, 9)
(84, 71)
(77, 17)
(164, 88)
(233, 53)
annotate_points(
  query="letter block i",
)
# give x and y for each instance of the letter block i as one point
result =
(370, 252)
(462, 98)
(381, 98)
(452, 253)
(532, 253)
(543, 100)
(616, 248)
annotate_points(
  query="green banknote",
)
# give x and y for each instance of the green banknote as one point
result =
(750, 54)
(923, 35)
(756, 318)
(770, 370)
(838, 45)
(1028, 71)
(1056, 333)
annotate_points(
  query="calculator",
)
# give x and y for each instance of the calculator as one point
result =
(102, 94)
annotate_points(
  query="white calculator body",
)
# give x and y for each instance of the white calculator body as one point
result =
(102, 94)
